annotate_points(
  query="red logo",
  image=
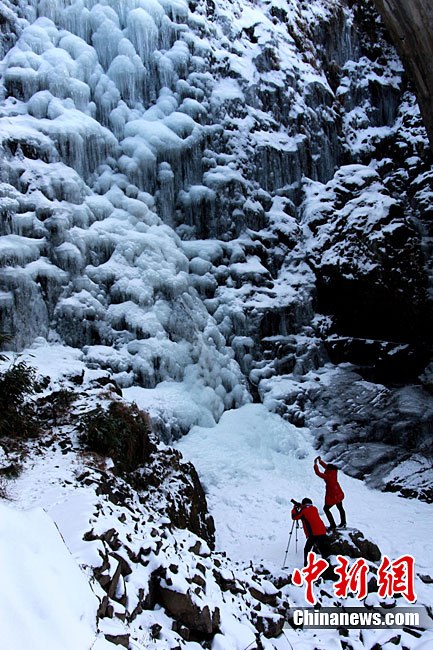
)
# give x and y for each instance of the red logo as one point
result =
(353, 580)
(397, 577)
(393, 578)
(309, 575)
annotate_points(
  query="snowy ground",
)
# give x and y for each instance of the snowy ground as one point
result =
(46, 601)
(253, 462)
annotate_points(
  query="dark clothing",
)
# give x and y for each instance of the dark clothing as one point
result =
(334, 494)
(321, 544)
(328, 513)
(314, 529)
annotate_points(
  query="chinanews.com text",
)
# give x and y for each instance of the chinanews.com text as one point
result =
(359, 618)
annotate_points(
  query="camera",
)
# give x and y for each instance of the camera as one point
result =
(296, 503)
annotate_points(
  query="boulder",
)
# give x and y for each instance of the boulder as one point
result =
(185, 611)
(352, 543)
(267, 597)
(118, 639)
(270, 627)
(228, 583)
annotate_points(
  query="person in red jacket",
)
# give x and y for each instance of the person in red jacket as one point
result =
(334, 495)
(314, 528)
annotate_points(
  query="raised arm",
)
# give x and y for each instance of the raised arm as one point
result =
(318, 472)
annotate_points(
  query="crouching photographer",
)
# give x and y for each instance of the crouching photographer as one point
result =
(314, 528)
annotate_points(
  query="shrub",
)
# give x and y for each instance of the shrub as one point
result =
(18, 416)
(56, 405)
(122, 432)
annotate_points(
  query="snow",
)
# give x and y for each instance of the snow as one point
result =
(227, 90)
(278, 140)
(36, 611)
(171, 401)
(252, 463)
(124, 120)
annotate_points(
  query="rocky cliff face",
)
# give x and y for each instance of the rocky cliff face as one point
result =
(411, 27)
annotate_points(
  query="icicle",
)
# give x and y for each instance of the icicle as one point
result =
(106, 41)
(142, 32)
(107, 96)
(76, 19)
(166, 196)
(128, 75)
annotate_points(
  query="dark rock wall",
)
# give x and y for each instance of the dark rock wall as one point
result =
(411, 27)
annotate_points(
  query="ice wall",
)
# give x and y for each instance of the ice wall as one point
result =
(153, 164)
(113, 121)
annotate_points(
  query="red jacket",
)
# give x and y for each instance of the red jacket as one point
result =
(334, 494)
(309, 515)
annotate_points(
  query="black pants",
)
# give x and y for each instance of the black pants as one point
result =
(319, 542)
(327, 511)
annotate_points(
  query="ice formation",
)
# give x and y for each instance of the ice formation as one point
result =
(223, 202)
(165, 176)
(115, 133)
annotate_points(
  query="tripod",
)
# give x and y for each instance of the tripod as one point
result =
(290, 539)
